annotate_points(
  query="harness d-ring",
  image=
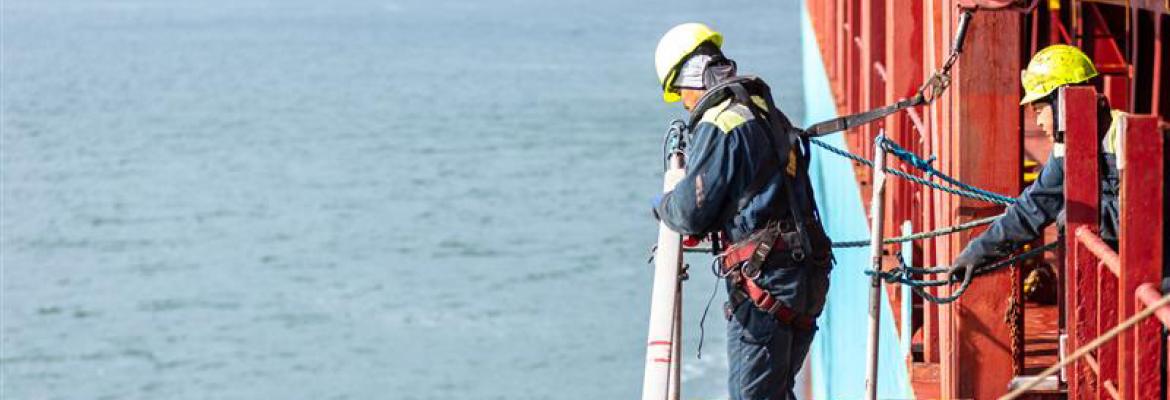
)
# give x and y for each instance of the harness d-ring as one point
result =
(758, 272)
(717, 268)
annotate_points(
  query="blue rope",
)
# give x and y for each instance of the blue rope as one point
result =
(901, 274)
(955, 191)
(925, 166)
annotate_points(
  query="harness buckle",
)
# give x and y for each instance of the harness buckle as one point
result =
(798, 254)
(761, 253)
(751, 270)
(787, 226)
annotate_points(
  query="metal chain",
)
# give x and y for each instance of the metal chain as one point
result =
(938, 82)
(1013, 318)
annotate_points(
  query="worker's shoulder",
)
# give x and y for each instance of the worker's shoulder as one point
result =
(1111, 142)
(729, 115)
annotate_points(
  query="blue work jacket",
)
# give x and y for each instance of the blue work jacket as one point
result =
(1042, 203)
(728, 144)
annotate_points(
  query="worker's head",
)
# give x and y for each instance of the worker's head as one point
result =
(1045, 119)
(682, 58)
(1053, 67)
(697, 73)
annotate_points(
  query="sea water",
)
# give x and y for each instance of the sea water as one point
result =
(350, 199)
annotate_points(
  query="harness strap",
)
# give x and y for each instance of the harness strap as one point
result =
(785, 141)
(781, 236)
(930, 90)
(849, 121)
(770, 164)
(753, 251)
(743, 263)
(748, 289)
(735, 88)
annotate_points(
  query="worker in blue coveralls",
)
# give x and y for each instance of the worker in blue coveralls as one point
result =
(1042, 202)
(746, 178)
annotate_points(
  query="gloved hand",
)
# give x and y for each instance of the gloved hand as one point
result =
(654, 202)
(960, 268)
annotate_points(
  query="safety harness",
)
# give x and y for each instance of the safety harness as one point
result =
(743, 262)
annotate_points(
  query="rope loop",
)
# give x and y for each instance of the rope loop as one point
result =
(900, 274)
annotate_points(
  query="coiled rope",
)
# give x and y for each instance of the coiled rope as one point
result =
(901, 274)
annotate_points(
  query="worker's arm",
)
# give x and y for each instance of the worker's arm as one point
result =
(1035, 208)
(698, 200)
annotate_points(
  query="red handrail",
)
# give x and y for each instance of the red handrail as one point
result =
(1095, 245)
(1147, 295)
(1095, 301)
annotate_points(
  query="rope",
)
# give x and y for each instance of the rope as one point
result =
(900, 239)
(900, 274)
(925, 166)
(921, 235)
(955, 191)
(1088, 348)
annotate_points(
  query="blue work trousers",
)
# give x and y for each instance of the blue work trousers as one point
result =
(765, 354)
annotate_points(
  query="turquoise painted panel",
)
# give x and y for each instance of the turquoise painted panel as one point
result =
(838, 354)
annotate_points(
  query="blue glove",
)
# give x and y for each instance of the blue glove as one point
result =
(654, 203)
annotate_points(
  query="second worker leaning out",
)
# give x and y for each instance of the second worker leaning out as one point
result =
(1042, 202)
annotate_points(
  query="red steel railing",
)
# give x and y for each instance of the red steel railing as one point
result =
(878, 51)
(1105, 287)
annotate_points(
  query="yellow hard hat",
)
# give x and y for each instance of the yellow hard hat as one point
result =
(1053, 67)
(674, 47)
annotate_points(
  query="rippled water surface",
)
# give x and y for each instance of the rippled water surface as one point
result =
(348, 199)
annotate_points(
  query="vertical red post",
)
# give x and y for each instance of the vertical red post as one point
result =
(1081, 190)
(1106, 319)
(865, 58)
(1116, 88)
(935, 334)
(1054, 23)
(1155, 101)
(903, 64)
(1148, 353)
(1085, 264)
(939, 22)
(1108, 57)
(841, 45)
(854, 71)
(1142, 227)
(865, 74)
(984, 148)
(852, 53)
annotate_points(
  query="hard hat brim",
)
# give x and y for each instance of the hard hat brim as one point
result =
(671, 97)
(1032, 97)
(692, 35)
